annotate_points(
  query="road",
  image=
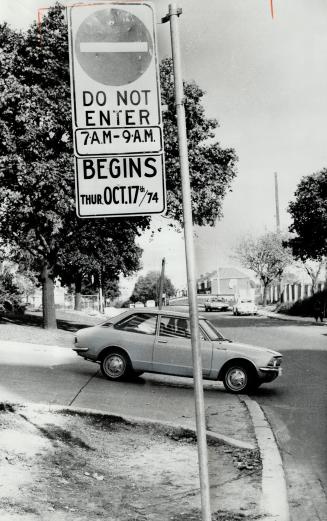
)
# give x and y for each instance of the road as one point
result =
(295, 404)
(56, 376)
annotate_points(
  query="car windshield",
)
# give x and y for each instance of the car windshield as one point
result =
(110, 321)
(210, 330)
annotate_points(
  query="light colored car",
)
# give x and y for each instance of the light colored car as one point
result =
(216, 304)
(158, 341)
(245, 307)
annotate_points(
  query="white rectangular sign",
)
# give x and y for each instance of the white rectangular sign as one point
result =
(116, 101)
(90, 142)
(134, 184)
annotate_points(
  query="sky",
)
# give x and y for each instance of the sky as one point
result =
(266, 83)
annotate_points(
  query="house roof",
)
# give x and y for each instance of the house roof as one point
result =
(225, 273)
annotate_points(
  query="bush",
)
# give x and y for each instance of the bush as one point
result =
(304, 307)
(10, 295)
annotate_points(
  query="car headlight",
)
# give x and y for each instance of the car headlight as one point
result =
(275, 361)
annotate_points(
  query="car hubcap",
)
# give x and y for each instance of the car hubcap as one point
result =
(236, 379)
(114, 366)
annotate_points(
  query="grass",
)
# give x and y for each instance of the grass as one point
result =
(29, 327)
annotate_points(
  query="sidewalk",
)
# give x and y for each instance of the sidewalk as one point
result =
(281, 316)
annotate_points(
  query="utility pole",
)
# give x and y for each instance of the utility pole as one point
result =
(279, 283)
(172, 17)
(161, 285)
(277, 204)
(100, 293)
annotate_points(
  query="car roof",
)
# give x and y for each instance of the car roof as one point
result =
(164, 312)
(156, 311)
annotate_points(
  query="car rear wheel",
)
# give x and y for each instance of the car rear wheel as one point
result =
(237, 379)
(115, 365)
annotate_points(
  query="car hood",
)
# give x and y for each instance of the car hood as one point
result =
(239, 346)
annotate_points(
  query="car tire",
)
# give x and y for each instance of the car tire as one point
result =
(237, 379)
(115, 365)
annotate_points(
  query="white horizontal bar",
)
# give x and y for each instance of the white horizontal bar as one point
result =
(113, 46)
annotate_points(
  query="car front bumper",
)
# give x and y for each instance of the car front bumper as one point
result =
(81, 351)
(268, 374)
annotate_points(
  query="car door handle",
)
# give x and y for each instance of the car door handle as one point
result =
(162, 341)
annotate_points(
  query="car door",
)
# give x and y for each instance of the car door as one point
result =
(136, 334)
(173, 351)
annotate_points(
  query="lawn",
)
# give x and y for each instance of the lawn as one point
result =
(28, 327)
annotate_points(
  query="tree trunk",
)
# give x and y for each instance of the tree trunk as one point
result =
(48, 303)
(265, 293)
(314, 281)
(78, 294)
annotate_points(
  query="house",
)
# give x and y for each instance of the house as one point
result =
(226, 281)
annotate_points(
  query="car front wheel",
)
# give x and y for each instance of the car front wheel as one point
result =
(237, 379)
(115, 365)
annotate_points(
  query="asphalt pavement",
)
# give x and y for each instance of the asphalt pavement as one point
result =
(295, 404)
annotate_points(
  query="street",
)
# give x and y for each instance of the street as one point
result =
(295, 404)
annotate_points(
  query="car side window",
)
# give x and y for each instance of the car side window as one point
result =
(175, 327)
(143, 323)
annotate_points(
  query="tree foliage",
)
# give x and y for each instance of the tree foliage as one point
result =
(212, 167)
(37, 205)
(147, 287)
(266, 256)
(309, 214)
(14, 285)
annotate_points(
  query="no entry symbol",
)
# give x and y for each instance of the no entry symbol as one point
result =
(113, 47)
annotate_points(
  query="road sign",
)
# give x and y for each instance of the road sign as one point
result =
(107, 43)
(110, 186)
(116, 104)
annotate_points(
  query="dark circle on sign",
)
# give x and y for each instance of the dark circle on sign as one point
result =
(112, 67)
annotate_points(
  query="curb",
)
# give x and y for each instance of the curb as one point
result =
(138, 420)
(291, 318)
(274, 504)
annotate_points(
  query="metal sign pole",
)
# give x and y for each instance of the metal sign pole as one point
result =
(161, 285)
(172, 16)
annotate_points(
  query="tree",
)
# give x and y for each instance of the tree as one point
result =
(99, 254)
(37, 209)
(266, 256)
(37, 206)
(313, 269)
(147, 288)
(13, 285)
(309, 214)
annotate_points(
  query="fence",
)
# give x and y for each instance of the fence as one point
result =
(292, 292)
